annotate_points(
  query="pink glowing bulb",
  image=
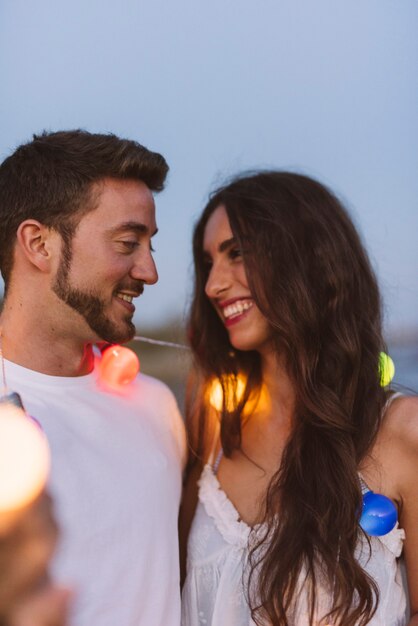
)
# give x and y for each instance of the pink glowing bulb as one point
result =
(118, 366)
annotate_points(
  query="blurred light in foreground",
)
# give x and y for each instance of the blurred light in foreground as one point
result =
(386, 369)
(24, 459)
(118, 366)
(234, 387)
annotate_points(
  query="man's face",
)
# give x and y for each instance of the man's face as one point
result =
(109, 259)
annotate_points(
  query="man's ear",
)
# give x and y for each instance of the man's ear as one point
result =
(38, 243)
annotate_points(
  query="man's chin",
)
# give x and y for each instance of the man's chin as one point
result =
(111, 333)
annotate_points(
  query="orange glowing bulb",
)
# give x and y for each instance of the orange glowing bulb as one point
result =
(118, 366)
(234, 390)
(24, 459)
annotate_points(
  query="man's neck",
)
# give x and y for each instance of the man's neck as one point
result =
(34, 342)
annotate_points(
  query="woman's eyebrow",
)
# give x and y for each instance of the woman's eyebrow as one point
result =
(224, 245)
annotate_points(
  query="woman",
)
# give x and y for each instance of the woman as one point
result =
(285, 299)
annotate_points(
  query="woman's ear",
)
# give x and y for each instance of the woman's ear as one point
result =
(38, 243)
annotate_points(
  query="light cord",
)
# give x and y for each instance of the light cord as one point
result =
(158, 342)
(3, 370)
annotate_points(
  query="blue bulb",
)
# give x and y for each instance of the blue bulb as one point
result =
(379, 514)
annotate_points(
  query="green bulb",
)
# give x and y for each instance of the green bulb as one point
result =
(386, 369)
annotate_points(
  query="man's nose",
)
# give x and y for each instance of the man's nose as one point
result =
(145, 270)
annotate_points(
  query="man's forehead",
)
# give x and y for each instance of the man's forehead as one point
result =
(121, 186)
(121, 203)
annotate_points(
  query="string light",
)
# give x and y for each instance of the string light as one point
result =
(386, 369)
(24, 458)
(118, 367)
(158, 342)
(379, 514)
(232, 386)
(24, 452)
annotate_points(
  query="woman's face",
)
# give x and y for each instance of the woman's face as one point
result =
(227, 286)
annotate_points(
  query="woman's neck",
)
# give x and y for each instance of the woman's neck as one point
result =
(275, 376)
(278, 391)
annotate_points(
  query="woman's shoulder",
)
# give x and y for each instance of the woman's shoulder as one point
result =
(400, 425)
(398, 441)
(400, 422)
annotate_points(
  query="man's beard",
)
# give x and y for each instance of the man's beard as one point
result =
(89, 305)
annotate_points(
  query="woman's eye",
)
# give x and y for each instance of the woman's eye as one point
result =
(235, 253)
(207, 265)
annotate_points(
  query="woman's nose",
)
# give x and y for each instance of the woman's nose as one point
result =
(218, 281)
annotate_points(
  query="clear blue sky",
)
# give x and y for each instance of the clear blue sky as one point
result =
(327, 87)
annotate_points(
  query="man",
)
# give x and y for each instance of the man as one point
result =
(77, 217)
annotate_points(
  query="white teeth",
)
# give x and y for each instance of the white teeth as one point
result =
(124, 296)
(237, 308)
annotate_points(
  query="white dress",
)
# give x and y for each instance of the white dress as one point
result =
(214, 593)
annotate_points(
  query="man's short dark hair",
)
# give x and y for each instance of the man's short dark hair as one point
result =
(50, 179)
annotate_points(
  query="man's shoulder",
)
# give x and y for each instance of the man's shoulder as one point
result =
(154, 386)
(157, 394)
(153, 391)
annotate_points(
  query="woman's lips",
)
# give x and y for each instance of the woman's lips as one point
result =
(234, 310)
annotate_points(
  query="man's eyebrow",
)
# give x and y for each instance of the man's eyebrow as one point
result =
(137, 227)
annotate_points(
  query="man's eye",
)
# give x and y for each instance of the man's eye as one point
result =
(129, 245)
(151, 248)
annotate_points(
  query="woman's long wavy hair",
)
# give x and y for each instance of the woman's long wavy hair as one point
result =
(311, 278)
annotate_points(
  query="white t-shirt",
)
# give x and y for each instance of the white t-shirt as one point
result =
(116, 484)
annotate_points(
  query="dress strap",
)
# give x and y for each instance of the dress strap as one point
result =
(391, 398)
(364, 486)
(217, 461)
(214, 445)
